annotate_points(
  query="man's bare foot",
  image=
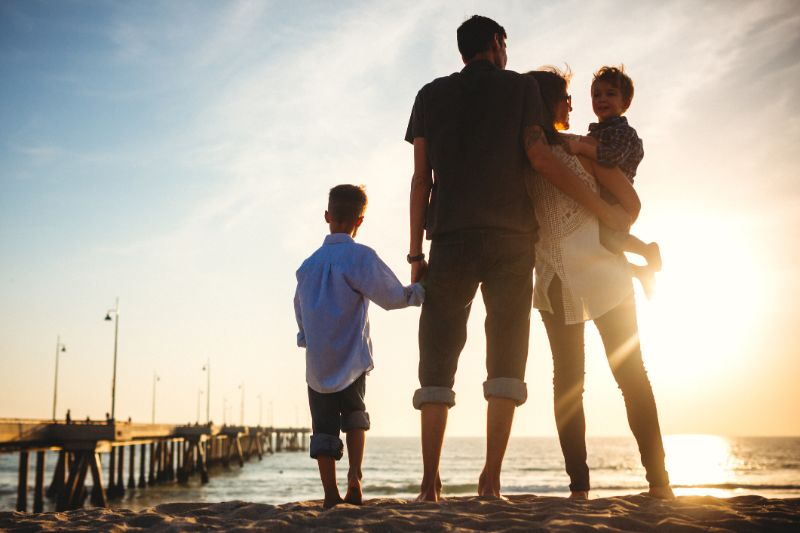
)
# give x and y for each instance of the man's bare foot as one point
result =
(662, 493)
(332, 502)
(653, 257)
(489, 488)
(354, 495)
(579, 495)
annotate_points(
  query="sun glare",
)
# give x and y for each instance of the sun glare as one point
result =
(708, 298)
(699, 460)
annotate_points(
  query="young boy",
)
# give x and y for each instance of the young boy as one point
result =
(613, 143)
(334, 287)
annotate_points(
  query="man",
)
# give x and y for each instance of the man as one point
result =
(479, 133)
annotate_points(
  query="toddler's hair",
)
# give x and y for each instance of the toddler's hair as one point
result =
(347, 202)
(616, 77)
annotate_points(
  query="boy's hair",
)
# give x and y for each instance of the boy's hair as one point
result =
(616, 77)
(553, 84)
(346, 203)
(475, 35)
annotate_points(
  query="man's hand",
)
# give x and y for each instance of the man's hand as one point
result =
(615, 217)
(573, 146)
(418, 270)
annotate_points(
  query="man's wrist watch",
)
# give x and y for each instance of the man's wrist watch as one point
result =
(414, 258)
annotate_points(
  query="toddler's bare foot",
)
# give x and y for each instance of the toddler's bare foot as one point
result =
(332, 502)
(579, 495)
(354, 495)
(647, 278)
(653, 257)
(662, 493)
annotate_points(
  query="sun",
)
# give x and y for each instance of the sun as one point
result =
(709, 294)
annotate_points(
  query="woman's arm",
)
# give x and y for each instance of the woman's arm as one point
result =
(617, 184)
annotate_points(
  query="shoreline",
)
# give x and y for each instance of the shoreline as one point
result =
(518, 513)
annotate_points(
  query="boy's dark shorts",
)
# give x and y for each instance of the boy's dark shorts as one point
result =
(501, 264)
(335, 412)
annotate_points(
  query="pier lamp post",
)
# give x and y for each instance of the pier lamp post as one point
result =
(241, 407)
(59, 349)
(224, 410)
(156, 379)
(116, 339)
(207, 368)
(260, 409)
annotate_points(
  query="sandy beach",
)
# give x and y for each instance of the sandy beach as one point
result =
(519, 513)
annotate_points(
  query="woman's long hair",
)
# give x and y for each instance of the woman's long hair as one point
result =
(553, 84)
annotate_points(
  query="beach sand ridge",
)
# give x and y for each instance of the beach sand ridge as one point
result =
(519, 513)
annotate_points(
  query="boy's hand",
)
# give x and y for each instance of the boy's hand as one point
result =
(418, 270)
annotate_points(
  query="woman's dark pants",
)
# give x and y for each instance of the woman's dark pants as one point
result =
(619, 332)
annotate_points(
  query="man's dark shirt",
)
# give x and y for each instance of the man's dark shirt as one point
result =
(618, 145)
(473, 123)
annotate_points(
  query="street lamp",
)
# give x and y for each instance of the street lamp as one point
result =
(199, 396)
(156, 379)
(260, 409)
(116, 338)
(224, 410)
(59, 348)
(207, 368)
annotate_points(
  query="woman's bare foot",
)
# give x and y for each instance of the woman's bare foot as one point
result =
(579, 495)
(333, 502)
(354, 495)
(662, 493)
(653, 257)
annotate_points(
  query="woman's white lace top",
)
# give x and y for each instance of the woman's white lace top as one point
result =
(593, 280)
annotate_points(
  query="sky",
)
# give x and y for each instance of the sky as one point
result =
(177, 156)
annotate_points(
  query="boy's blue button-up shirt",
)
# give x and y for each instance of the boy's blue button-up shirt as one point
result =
(334, 287)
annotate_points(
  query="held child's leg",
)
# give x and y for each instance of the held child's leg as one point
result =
(649, 251)
(327, 473)
(356, 439)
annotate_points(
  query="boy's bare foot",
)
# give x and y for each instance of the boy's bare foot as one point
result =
(647, 277)
(653, 257)
(354, 495)
(430, 492)
(489, 488)
(333, 502)
(662, 493)
(579, 495)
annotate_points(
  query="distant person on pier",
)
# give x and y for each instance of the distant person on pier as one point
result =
(334, 288)
(68, 418)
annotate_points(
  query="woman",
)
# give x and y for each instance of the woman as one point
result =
(578, 280)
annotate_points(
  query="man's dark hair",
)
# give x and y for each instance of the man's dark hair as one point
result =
(553, 85)
(475, 35)
(616, 77)
(346, 203)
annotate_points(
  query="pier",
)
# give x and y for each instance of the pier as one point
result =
(165, 453)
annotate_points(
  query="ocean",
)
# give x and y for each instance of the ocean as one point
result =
(698, 464)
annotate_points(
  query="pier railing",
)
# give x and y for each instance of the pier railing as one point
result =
(167, 453)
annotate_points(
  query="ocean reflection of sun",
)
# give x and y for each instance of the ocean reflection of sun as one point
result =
(699, 464)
